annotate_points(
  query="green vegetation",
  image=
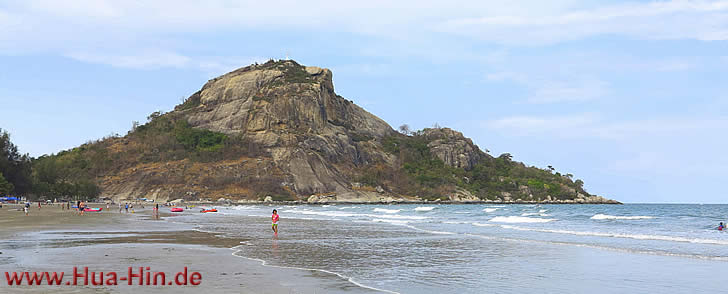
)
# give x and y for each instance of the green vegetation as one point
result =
(293, 73)
(191, 102)
(15, 168)
(66, 175)
(425, 174)
(198, 139)
(5, 186)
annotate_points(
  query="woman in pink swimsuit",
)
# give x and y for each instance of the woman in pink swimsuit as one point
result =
(275, 218)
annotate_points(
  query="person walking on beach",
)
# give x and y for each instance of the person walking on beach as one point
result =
(126, 207)
(81, 208)
(68, 205)
(26, 208)
(38, 205)
(120, 208)
(275, 218)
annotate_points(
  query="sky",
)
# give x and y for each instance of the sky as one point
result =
(631, 97)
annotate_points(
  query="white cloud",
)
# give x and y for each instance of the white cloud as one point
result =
(574, 91)
(677, 19)
(424, 29)
(155, 59)
(595, 127)
(140, 60)
(554, 89)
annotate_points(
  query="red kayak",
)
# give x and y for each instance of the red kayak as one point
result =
(177, 209)
(208, 210)
(93, 209)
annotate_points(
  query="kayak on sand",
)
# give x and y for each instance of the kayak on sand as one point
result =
(177, 209)
(208, 210)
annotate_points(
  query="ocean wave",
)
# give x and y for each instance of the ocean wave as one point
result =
(347, 278)
(336, 213)
(490, 209)
(424, 208)
(520, 219)
(626, 236)
(482, 225)
(534, 213)
(387, 210)
(543, 210)
(606, 216)
(391, 221)
(347, 207)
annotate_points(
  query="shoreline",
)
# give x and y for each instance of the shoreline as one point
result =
(53, 240)
(395, 202)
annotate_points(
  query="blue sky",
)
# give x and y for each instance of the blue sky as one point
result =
(631, 97)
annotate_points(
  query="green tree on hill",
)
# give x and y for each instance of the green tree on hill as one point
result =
(5, 186)
(14, 166)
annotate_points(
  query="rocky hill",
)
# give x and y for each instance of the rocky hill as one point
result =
(279, 131)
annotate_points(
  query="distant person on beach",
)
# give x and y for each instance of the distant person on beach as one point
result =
(275, 218)
(721, 226)
(68, 205)
(126, 207)
(26, 208)
(38, 205)
(81, 208)
(120, 208)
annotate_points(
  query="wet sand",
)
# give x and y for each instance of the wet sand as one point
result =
(51, 239)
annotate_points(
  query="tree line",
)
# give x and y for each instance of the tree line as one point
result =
(43, 177)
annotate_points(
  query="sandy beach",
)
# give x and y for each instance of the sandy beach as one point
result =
(55, 240)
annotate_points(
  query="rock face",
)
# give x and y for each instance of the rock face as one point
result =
(293, 112)
(315, 147)
(453, 148)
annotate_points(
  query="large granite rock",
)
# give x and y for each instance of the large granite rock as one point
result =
(453, 148)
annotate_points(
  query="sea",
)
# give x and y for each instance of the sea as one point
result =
(631, 248)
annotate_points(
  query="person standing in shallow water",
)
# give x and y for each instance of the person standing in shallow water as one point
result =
(275, 218)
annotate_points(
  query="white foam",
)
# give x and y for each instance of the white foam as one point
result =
(490, 209)
(342, 214)
(454, 222)
(482, 225)
(347, 207)
(391, 221)
(350, 279)
(424, 208)
(606, 216)
(627, 236)
(387, 210)
(520, 219)
(543, 210)
(534, 213)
